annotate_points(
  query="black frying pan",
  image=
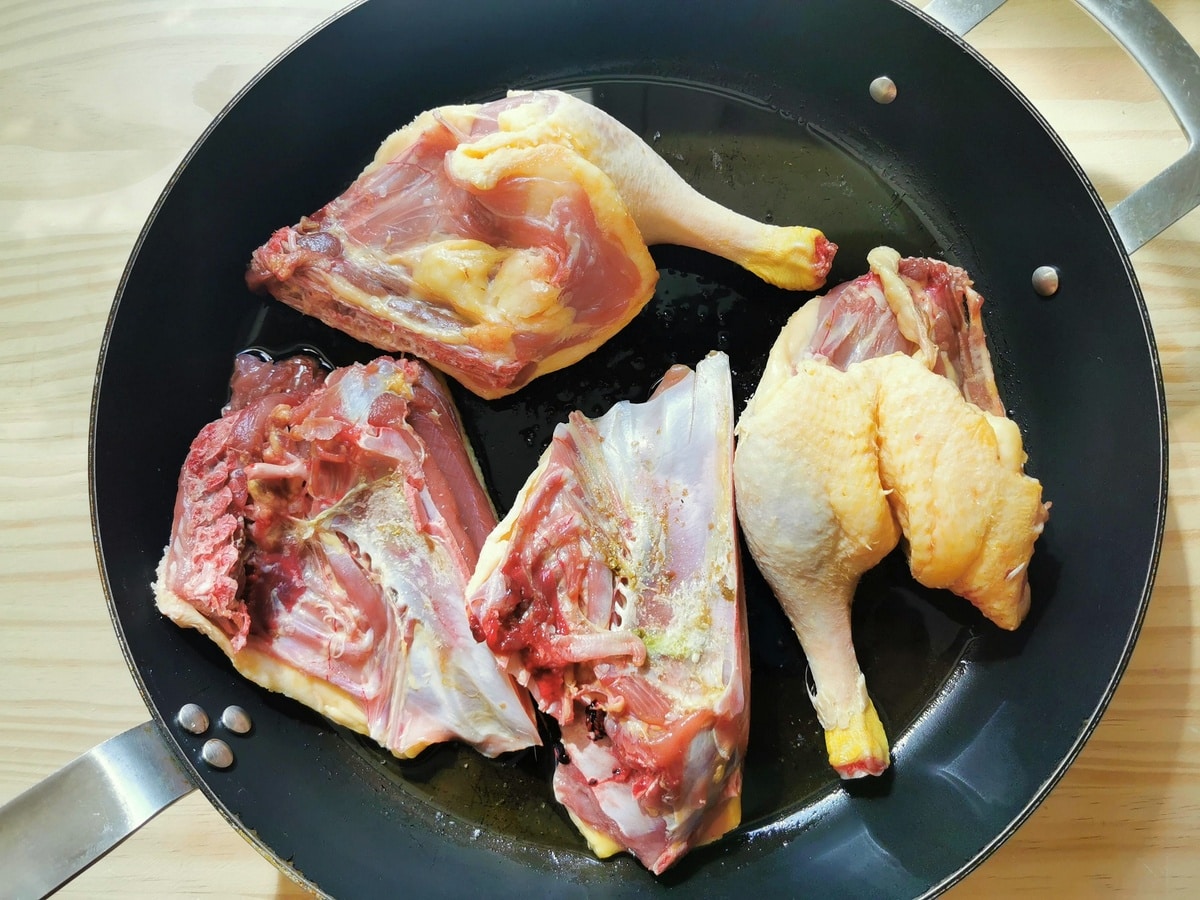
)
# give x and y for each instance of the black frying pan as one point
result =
(765, 107)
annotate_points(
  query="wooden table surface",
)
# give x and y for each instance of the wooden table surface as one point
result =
(99, 101)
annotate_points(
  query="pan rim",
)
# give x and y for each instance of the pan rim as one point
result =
(1088, 726)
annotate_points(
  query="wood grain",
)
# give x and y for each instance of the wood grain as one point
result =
(99, 101)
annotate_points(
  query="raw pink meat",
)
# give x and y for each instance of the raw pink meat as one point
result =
(324, 533)
(613, 588)
(502, 241)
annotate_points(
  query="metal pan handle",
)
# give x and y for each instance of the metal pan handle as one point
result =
(1172, 65)
(62, 825)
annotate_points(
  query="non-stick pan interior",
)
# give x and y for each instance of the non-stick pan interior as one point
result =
(768, 111)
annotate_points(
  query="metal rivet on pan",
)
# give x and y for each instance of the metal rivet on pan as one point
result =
(216, 753)
(236, 720)
(883, 89)
(1045, 280)
(192, 718)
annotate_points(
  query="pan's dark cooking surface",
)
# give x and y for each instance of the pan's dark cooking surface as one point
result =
(766, 112)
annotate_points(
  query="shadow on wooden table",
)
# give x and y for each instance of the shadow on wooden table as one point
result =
(286, 888)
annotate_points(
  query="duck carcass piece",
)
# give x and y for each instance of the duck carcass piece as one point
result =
(879, 412)
(324, 532)
(613, 589)
(506, 240)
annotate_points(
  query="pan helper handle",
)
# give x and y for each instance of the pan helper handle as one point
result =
(1174, 67)
(62, 825)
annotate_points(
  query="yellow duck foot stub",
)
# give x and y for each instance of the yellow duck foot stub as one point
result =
(861, 748)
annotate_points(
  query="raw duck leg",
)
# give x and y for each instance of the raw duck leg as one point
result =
(506, 240)
(613, 590)
(816, 517)
(879, 411)
(324, 532)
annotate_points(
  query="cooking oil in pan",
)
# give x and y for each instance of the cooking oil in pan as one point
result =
(771, 167)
